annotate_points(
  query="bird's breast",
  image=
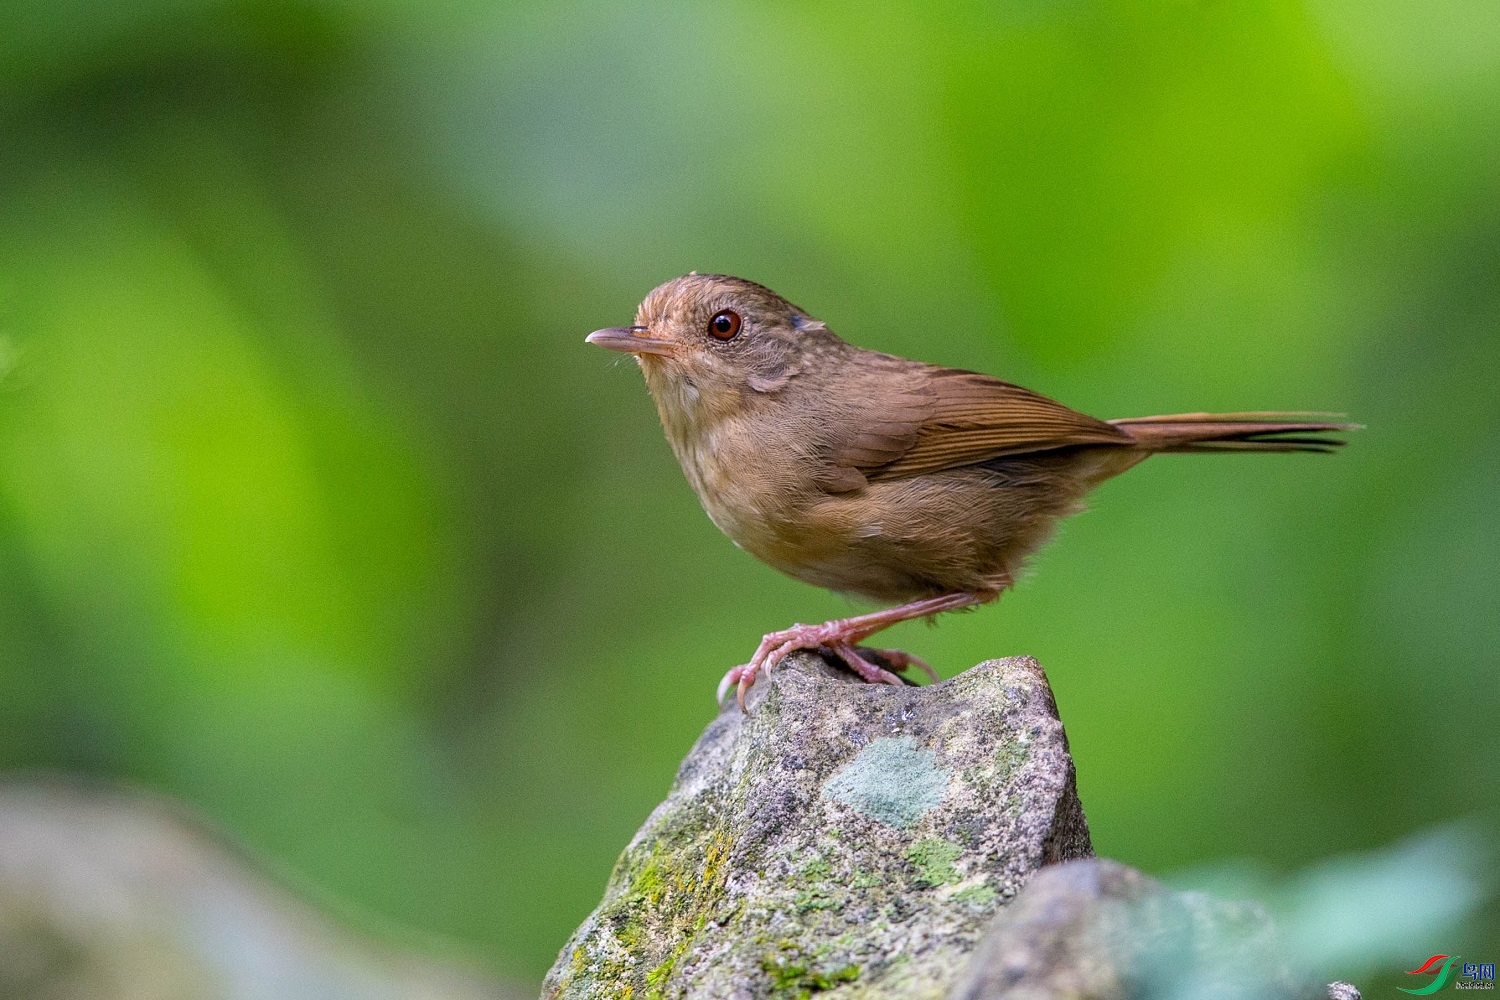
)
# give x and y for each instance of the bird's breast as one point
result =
(755, 487)
(741, 496)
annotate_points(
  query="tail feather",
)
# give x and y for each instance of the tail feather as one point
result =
(1258, 431)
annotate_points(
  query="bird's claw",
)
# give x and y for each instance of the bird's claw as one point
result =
(739, 678)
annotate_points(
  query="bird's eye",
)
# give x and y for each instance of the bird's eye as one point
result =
(725, 325)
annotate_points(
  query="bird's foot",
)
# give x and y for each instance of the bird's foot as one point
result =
(839, 637)
(872, 665)
(897, 660)
(855, 659)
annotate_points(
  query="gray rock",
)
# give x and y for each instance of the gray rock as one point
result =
(1099, 930)
(838, 838)
(107, 893)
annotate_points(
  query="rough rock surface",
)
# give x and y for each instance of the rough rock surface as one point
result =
(1097, 929)
(838, 838)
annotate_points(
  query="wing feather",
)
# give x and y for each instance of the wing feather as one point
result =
(945, 418)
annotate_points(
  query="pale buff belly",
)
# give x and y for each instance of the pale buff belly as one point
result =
(894, 541)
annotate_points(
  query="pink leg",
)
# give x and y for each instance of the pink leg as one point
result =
(839, 636)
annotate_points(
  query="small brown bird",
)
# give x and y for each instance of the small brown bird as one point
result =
(893, 480)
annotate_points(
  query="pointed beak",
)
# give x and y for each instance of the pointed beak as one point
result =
(631, 339)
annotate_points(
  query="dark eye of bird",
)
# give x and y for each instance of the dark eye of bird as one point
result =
(725, 325)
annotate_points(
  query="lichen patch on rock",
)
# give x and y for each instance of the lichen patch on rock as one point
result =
(891, 780)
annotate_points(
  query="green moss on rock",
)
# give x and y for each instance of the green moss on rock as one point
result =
(976, 895)
(933, 858)
(794, 977)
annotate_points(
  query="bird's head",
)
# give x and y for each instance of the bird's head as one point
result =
(708, 343)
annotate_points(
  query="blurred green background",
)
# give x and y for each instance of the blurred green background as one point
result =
(316, 513)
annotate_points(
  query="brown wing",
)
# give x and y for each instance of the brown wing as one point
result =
(944, 418)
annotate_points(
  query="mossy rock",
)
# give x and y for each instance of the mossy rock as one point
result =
(836, 840)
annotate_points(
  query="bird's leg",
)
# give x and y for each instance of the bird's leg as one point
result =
(838, 635)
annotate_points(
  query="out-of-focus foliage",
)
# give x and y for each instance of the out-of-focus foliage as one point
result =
(1364, 915)
(316, 513)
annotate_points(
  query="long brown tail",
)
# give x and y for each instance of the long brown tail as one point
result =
(1236, 432)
